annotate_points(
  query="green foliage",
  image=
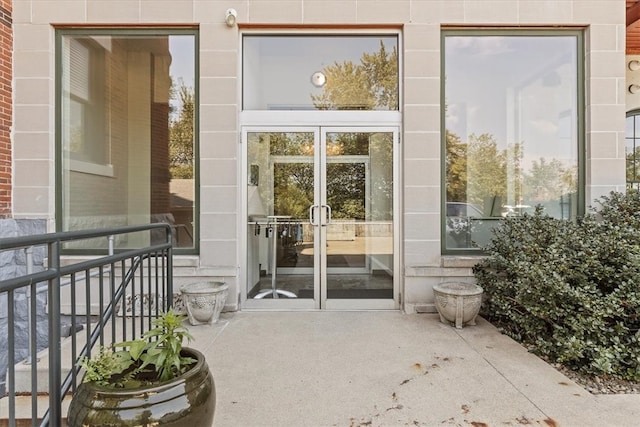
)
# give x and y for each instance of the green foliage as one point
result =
(106, 368)
(370, 85)
(456, 167)
(294, 193)
(181, 171)
(570, 291)
(633, 166)
(487, 169)
(155, 357)
(480, 167)
(181, 132)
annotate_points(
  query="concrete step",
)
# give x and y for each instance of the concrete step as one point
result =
(23, 407)
(24, 369)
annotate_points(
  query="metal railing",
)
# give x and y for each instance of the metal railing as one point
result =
(105, 298)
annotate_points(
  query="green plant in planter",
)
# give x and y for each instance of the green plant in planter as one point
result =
(152, 380)
(155, 357)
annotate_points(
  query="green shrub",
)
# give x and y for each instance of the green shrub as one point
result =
(570, 291)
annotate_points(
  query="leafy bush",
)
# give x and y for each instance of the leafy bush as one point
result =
(570, 291)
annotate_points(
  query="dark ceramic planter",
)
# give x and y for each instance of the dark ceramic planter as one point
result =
(189, 400)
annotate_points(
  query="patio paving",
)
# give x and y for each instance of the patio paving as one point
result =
(376, 368)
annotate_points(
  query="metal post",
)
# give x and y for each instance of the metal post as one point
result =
(169, 269)
(55, 358)
(29, 265)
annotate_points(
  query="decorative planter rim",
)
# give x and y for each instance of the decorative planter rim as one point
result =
(458, 288)
(203, 287)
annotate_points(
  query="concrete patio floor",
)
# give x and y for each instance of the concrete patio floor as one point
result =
(371, 368)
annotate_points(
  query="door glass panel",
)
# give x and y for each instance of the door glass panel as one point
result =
(359, 193)
(346, 195)
(280, 238)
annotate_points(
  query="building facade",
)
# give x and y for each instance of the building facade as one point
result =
(316, 154)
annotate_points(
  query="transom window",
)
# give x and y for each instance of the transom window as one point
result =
(311, 72)
(511, 138)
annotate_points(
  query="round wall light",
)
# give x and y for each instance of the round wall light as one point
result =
(230, 17)
(318, 79)
(634, 65)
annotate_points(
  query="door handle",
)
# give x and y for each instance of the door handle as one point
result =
(328, 217)
(312, 216)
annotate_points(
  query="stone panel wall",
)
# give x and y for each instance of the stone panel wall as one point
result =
(13, 264)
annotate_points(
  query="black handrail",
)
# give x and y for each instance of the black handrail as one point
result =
(128, 263)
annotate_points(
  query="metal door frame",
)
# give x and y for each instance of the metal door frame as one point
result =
(320, 271)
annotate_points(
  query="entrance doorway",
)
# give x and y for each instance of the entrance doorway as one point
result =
(320, 218)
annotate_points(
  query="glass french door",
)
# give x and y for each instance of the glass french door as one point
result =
(320, 218)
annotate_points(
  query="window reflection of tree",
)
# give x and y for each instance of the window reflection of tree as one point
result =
(479, 169)
(370, 85)
(293, 192)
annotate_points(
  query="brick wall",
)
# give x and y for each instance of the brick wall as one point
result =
(6, 50)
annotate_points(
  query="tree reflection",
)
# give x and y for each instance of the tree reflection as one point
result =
(478, 172)
(370, 85)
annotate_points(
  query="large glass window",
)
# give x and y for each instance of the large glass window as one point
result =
(126, 129)
(512, 115)
(285, 72)
(632, 139)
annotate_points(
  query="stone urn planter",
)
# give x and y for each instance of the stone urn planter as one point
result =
(458, 303)
(204, 301)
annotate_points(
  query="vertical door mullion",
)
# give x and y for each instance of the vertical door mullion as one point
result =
(321, 191)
